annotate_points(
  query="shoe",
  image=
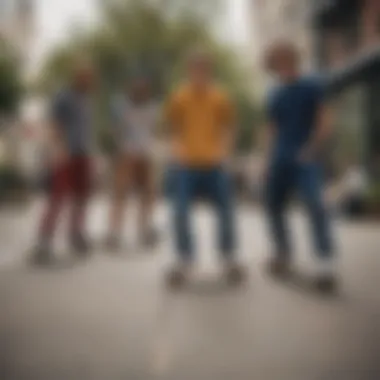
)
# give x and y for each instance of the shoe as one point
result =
(326, 284)
(279, 266)
(80, 246)
(149, 238)
(235, 274)
(42, 255)
(176, 277)
(112, 243)
(326, 281)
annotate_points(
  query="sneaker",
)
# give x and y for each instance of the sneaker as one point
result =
(80, 245)
(177, 276)
(235, 274)
(42, 255)
(279, 266)
(112, 243)
(326, 284)
(326, 281)
(150, 238)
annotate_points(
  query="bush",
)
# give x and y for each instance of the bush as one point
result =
(10, 81)
(373, 196)
(12, 184)
(372, 201)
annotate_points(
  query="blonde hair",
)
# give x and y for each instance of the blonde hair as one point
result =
(279, 51)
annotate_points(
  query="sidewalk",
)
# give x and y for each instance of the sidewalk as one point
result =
(110, 318)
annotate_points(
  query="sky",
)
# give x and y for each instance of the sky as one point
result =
(55, 19)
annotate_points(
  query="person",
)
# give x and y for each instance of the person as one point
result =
(70, 138)
(299, 125)
(136, 117)
(201, 119)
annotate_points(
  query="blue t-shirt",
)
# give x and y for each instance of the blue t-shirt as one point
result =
(72, 113)
(292, 108)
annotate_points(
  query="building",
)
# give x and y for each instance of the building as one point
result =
(17, 25)
(347, 35)
(281, 19)
(17, 31)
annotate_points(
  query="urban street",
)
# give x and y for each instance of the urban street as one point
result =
(111, 317)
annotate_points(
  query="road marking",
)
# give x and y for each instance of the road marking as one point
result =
(162, 356)
(163, 351)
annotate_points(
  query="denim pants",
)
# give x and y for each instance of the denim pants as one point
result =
(283, 178)
(212, 184)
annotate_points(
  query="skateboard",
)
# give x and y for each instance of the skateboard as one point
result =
(233, 278)
(299, 280)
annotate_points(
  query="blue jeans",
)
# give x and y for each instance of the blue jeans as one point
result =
(214, 185)
(283, 178)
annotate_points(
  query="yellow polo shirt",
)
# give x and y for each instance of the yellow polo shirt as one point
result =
(201, 122)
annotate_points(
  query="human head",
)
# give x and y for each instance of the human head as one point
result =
(199, 67)
(83, 75)
(283, 60)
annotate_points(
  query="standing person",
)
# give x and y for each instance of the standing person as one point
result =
(136, 118)
(202, 121)
(71, 142)
(298, 128)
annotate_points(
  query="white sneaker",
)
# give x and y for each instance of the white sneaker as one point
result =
(178, 274)
(326, 275)
(42, 254)
(235, 272)
(325, 267)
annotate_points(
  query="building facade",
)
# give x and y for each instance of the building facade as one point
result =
(17, 25)
(347, 34)
(17, 31)
(281, 19)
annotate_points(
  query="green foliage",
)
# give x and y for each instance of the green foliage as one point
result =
(10, 82)
(137, 38)
(12, 182)
(373, 196)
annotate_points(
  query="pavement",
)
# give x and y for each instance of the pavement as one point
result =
(111, 318)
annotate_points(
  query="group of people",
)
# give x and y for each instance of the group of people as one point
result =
(201, 120)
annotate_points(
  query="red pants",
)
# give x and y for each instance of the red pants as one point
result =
(71, 182)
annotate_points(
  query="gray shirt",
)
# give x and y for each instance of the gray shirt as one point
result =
(72, 113)
(135, 125)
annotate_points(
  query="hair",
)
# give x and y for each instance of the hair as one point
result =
(80, 64)
(280, 50)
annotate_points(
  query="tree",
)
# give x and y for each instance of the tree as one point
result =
(10, 82)
(136, 37)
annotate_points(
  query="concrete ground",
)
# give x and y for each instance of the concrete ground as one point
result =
(110, 317)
